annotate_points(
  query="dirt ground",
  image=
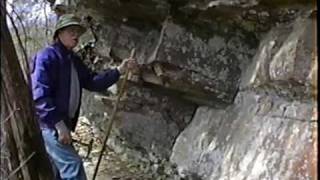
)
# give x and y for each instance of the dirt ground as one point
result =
(111, 166)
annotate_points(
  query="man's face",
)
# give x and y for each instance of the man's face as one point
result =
(69, 36)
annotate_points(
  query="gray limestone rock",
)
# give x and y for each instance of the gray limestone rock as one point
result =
(199, 57)
(255, 138)
(284, 57)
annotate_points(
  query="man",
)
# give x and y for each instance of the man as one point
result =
(58, 75)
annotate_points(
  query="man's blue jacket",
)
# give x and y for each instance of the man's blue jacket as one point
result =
(51, 68)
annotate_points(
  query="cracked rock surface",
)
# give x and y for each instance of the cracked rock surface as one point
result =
(225, 89)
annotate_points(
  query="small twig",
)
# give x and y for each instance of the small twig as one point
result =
(155, 51)
(19, 42)
(4, 154)
(17, 33)
(23, 27)
(46, 19)
(21, 165)
(10, 115)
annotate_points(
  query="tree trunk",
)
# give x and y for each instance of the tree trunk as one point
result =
(21, 139)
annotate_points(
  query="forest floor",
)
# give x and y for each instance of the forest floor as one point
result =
(111, 166)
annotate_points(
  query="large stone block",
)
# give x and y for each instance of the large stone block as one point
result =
(204, 71)
(260, 137)
(284, 58)
(145, 120)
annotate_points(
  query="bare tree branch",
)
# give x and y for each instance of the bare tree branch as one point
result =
(22, 26)
(15, 109)
(26, 70)
(46, 19)
(21, 165)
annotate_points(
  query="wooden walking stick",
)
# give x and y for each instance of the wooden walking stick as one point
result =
(109, 125)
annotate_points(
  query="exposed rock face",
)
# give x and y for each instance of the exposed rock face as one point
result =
(284, 58)
(204, 70)
(145, 121)
(246, 63)
(260, 137)
(268, 132)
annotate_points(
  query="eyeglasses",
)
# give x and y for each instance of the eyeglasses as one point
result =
(74, 30)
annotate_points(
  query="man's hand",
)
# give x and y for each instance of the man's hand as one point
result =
(127, 64)
(64, 135)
